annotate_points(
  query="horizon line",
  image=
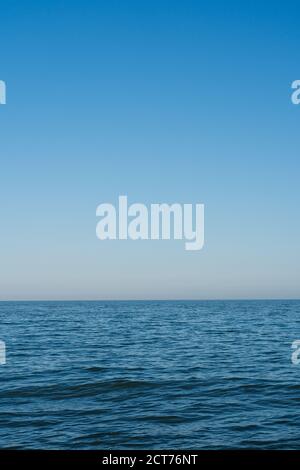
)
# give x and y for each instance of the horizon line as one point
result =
(245, 299)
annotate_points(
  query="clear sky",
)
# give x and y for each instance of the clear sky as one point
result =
(164, 101)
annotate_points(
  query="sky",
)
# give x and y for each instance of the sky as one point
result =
(182, 101)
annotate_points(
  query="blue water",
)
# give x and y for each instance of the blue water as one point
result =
(150, 375)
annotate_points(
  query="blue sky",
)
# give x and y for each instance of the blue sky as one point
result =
(165, 102)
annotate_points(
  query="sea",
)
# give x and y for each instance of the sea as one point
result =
(150, 375)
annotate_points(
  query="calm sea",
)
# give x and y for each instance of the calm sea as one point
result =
(150, 375)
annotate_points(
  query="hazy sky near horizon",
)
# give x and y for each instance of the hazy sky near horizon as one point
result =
(182, 101)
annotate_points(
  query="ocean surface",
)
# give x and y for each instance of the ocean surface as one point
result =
(150, 375)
